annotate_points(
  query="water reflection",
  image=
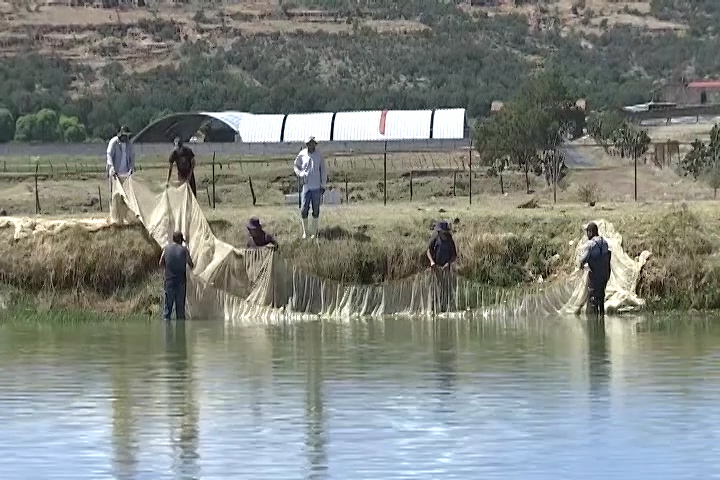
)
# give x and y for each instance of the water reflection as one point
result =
(124, 424)
(314, 401)
(182, 407)
(396, 398)
(445, 356)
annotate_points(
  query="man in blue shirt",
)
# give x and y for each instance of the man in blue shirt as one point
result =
(310, 169)
(175, 258)
(597, 257)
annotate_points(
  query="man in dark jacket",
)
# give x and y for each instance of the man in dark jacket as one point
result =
(441, 251)
(175, 258)
(597, 257)
(184, 159)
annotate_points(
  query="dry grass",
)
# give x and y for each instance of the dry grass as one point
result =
(499, 246)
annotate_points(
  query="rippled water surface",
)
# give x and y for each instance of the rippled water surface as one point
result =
(637, 399)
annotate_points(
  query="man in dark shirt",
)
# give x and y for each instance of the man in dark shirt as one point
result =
(175, 258)
(442, 253)
(257, 237)
(441, 250)
(184, 159)
(597, 257)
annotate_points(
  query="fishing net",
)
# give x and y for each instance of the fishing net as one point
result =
(257, 285)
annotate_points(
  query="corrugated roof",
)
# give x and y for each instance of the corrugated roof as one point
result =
(261, 128)
(230, 118)
(357, 126)
(449, 123)
(407, 125)
(301, 125)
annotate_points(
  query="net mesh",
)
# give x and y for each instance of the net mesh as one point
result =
(258, 285)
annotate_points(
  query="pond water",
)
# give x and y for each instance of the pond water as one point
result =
(396, 399)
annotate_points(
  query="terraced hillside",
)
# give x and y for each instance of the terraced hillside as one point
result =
(129, 64)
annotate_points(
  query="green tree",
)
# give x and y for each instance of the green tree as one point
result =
(7, 125)
(72, 130)
(696, 160)
(25, 128)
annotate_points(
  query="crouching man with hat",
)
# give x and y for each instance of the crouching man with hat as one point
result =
(258, 237)
(310, 169)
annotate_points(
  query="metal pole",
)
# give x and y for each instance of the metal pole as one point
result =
(385, 175)
(635, 160)
(470, 170)
(37, 193)
(213, 181)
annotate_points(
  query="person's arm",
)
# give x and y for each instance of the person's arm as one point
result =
(586, 255)
(431, 251)
(298, 167)
(189, 258)
(162, 258)
(323, 173)
(192, 163)
(131, 151)
(172, 162)
(110, 155)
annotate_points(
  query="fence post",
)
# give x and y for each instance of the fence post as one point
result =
(470, 170)
(347, 192)
(252, 190)
(635, 159)
(411, 185)
(385, 174)
(100, 198)
(299, 193)
(213, 181)
(454, 182)
(37, 193)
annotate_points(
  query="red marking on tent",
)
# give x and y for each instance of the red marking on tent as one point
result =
(383, 115)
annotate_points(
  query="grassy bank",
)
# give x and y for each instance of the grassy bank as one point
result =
(115, 270)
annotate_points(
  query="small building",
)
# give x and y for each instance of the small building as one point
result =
(699, 92)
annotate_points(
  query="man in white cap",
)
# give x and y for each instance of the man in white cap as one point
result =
(310, 169)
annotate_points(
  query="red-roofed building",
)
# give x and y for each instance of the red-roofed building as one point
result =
(699, 92)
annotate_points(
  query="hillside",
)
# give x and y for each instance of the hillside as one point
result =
(130, 64)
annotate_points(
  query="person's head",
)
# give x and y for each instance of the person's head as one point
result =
(178, 237)
(124, 134)
(178, 142)
(310, 143)
(592, 230)
(442, 227)
(254, 227)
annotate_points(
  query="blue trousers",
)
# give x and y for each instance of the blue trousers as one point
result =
(174, 296)
(311, 198)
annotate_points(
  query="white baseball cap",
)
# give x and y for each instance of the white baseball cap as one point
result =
(310, 139)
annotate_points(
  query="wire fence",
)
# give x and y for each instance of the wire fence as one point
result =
(386, 176)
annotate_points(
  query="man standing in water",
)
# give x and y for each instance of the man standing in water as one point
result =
(175, 259)
(597, 256)
(184, 158)
(310, 169)
(120, 156)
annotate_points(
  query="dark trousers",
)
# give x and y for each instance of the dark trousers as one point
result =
(190, 181)
(596, 301)
(174, 296)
